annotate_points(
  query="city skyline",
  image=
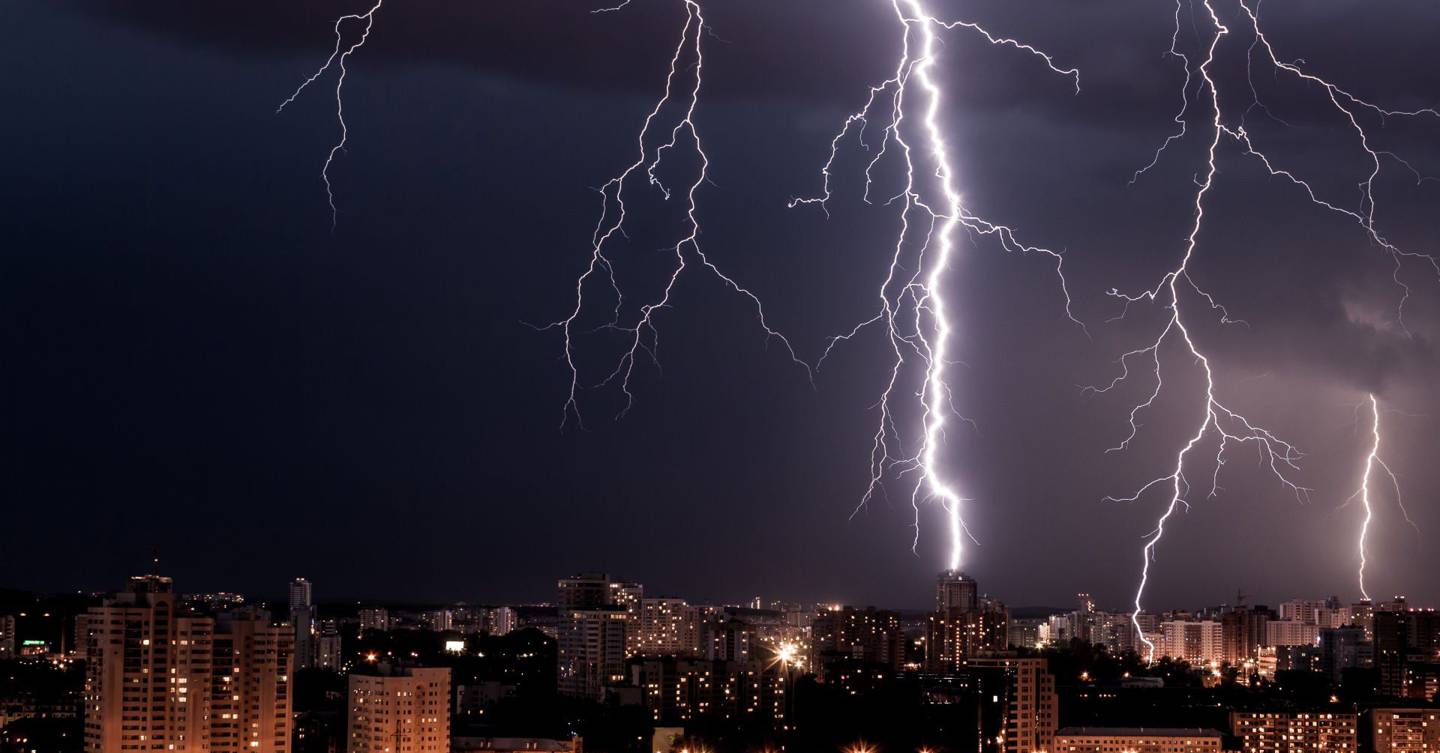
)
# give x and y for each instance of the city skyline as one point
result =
(611, 665)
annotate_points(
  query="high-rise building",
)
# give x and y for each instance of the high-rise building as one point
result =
(1362, 614)
(159, 678)
(953, 636)
(1024, 633)
(1301, 610)
(328, 648)
(400, 711)
(844, 634)
(1407, 652)
(7, 636)
(1147, 626)
(667, 627)
(503, 620)
(1284, 632)
(1405, 730)
(727, 639)
(300, 595)
(963, 624)
(1114, 631)
(374, 618)
(79, 637)
(1243, 633)
(591, 651)
(598, 614)
(251, 701)
(1136, 740)
(1294, 731)
(302, 616)
(439, 620)
(589, 591)
(1201, 643)
(955, 590)
(1343, 648)
(1032, 712)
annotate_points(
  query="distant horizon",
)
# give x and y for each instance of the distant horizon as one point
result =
(279, 596)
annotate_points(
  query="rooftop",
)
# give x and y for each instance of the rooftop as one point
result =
(1135, 732)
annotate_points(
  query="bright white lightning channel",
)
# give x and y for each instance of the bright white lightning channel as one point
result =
(914, 310)
(338, 57)
(1372, 460)
(1177, 290)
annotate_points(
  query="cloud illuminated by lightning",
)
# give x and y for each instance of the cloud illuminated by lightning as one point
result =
(1177, 290)
(638, 329)
(338, 57)
(914, 309)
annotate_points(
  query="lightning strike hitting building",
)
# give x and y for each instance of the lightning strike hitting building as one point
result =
(1178, 292)
(914, 310)
(338, 57)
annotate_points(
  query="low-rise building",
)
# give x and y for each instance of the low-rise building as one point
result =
(1294, 731)
(1405, 730)
(1136, 740)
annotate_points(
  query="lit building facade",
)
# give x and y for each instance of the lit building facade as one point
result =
(1293, 732)
(675, 690)
(1280, 633)
(158, 678)
(597, 631)
(952, 637)
(1033, 712)
(250, 690)
(667, 627)
(405, 711)
(1201, 643)
(1405, 730)
(845, 634)
(963, 624)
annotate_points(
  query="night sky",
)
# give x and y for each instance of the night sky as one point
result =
(193, 360)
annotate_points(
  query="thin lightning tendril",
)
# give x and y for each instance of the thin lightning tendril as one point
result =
(913, 308)
(337, 59)
(641, 334)
(1177, 287)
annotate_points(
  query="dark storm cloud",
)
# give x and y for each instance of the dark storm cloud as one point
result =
(182, 330)
(552, 41)
(805, 48)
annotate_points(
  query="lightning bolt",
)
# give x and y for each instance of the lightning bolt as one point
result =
(1373, 459)
(338, 57)
(914, 310)
(638, 329)
(1177, 290)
